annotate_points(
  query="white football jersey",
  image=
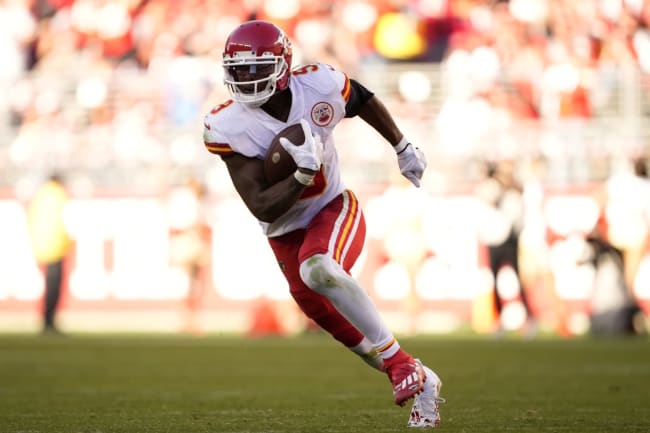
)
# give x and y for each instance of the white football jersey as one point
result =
(320, 94)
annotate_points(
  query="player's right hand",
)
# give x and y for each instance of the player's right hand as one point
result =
(307, 155)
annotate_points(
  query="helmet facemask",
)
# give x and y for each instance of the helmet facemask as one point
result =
(252, 79)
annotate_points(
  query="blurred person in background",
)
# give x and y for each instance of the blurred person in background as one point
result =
(502, 193)
(613, 308)
(50, 243)
(189, 242)
(313, 223)
(641, 189)
(619, 245)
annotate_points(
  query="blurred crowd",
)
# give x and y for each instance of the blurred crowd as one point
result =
(120, 84)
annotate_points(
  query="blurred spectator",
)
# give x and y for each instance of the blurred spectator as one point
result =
(627, 214)
(507, 61)
(50, 243)
(641, 169)
(19, 28)
(503, 223)
(613, 306)
(190, 242)
(535, 248)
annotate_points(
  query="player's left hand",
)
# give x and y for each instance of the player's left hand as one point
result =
(412, 163)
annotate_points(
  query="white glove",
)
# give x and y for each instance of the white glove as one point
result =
(411, 160)
(309, 154)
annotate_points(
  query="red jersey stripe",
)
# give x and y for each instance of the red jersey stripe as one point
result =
(219, 148)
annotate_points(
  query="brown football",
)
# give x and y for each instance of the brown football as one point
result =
(278, 164)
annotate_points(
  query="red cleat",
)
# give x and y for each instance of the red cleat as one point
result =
(407, 379)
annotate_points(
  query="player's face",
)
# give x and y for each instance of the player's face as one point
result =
(248, 73)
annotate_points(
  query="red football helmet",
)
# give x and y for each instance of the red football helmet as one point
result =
(256, 62)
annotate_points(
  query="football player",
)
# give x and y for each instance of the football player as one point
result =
(313, 223)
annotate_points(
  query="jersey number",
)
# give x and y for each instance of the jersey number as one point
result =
(220, 107)
(312, 67)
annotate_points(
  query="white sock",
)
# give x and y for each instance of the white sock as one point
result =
(389, 349)
(324, 275)
(369, 354)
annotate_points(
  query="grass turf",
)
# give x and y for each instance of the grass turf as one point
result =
(138, 384)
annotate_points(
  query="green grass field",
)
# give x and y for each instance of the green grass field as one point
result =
(159, 383)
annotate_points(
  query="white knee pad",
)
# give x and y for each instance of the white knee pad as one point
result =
(320, 272)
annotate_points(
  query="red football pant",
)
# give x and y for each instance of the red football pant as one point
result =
(339, 231)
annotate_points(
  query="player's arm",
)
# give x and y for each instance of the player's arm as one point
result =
(265, 202)
(366, 105)
(363, 103)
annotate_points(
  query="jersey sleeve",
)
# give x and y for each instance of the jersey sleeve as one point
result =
(359, 95)
(343, 83)
(214, 143)
(224, 132)
(213, 138)
(354, 94)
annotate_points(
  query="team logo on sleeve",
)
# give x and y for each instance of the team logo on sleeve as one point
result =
(322, 114)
